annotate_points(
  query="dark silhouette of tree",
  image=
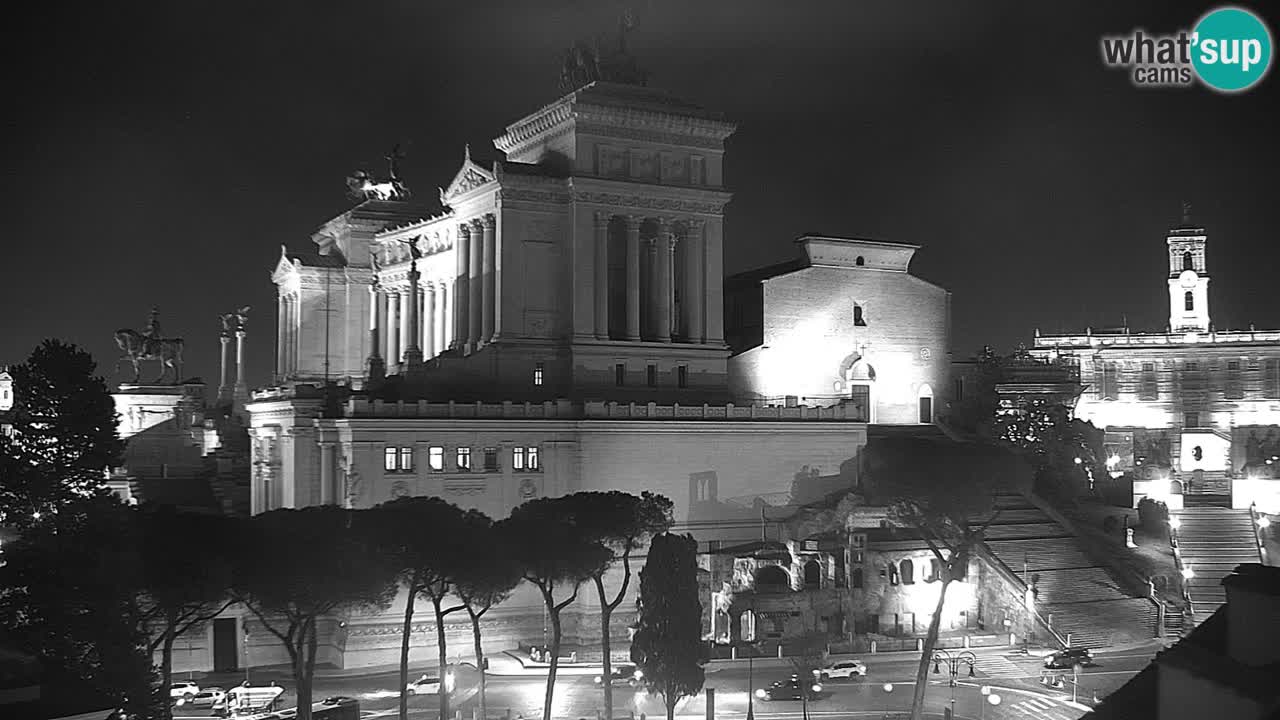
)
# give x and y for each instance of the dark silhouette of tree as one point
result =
(622, 523)
(423, 539)
(552, 551)
(70, 590)
(668, 647)
(295, 567)
(178, 597)
(486, 580)
(64, 423)
(944, 491)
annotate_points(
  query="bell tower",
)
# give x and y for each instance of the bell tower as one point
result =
(1188, 276)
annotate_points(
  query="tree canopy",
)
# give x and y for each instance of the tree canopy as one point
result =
(668, 646)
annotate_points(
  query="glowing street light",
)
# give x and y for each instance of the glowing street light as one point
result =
(1188, 573)
(1175, 523)
(1264, 522)
(888, 687)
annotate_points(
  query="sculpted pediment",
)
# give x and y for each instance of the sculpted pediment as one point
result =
(470, 176)
(284, 267)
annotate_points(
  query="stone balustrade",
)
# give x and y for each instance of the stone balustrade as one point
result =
(598, 410)
(1177, 338)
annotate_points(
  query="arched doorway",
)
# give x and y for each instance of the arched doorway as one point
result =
(772, 578)
(860, 379)
(812, 575)
(924, 400)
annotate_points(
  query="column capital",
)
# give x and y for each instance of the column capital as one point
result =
(602, 218)
(488, 221)
(695, 224)
(464, 229)
(633, 222)
(477, 225)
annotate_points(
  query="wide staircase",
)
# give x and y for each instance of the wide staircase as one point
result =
(1077, 596)
(1212, 541)
(1205, 488)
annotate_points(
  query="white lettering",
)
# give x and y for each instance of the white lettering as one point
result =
(1209, 51)
(1252, 54)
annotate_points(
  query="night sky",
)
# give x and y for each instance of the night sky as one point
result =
(160, 152)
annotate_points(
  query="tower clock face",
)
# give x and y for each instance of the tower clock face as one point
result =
(1188, 278)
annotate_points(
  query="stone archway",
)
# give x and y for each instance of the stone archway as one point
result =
(772, 578)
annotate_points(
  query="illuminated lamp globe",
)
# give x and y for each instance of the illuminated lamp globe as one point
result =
(1188, 573)
(760, 693)
(1078, 461)
(1264, 522)
(1175, 523)
(994, 699)
(816, 688)
(888, 687)
(985, 690)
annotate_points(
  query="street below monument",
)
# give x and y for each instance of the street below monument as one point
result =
(1015, 678)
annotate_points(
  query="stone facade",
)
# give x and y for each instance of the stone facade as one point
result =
(846, 324)
(1185, 400)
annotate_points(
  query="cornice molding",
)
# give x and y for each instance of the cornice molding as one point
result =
(645, 202)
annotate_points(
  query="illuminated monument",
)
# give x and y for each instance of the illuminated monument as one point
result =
(558, 324)
(1195, 408)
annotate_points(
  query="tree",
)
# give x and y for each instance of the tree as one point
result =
(178, 600)
(943, 491)
(485, 581)
(65, 439)
(668, 646)
(621, 523)
(552, 551)
(297, 566)
(70, 591)
(421, 536)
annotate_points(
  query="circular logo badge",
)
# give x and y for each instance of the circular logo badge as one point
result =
(1231, 49)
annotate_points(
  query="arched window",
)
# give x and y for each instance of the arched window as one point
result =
(772, 578)
(859, 261)
(908, 572)
(812, 574)
(1188, 263)
(1188, 301)
(935, 571)
(858, 318)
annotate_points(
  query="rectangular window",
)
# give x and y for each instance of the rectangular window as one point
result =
(1148, 367)
(435, 458)
(490, 459)
(537, 373)
(651, 375)
(406, 459)
(464, 459)
(389, 459)
(532, 460)
(1191, 420)
(620, 374)
(682, 376)
(525, 459)
(1191, 366)
(1110, 389)
(517, 459)
(958, 392)
(1148, 388)
(1233, 364)
(1271, 378)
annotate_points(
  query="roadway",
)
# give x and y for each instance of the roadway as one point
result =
(1015, 678)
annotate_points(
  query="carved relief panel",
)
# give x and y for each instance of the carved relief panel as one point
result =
(675, 168)
(610, 161)
(644, 165)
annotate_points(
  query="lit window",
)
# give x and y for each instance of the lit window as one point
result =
(435, 458)
(389, 459)
(525, 459)
(651, 375)
(620, 374)
(406, 459)
(490, 459)
(517, 459)
(464, 459)
(682, 376)
(537, 374)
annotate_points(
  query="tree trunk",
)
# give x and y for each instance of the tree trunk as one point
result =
(926, 653)
(166, 671)
(475, 635)
(304, 704)
(443, 654)
(299, 658)
(554, 612)
(671, 705)
(404, 652)
(606, 610)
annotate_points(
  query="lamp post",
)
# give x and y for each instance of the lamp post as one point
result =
(953, 663)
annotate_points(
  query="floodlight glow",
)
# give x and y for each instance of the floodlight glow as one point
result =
(1264, 522)
(888, 687)
(993, 699)
(985, 690)
(1188, 573)
(760, 693)
(1078, 461)
(817, 688)
(1175, 523)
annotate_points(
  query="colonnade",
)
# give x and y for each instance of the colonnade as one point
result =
(289, 308)
(391, 309)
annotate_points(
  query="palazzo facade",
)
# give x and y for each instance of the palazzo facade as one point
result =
(1193, 408)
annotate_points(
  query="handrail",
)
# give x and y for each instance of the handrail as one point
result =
(1257, 532)
(1012, 576)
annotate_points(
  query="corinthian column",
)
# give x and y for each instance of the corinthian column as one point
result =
(282, 323)
(429, 320)
(241, 393)
(693, 302)
(488, 223)
(405, 320)
(393, 324)
(602, 276)
(412, 321)
(222, 383)
(633, 277)
(475, 312)
(461, 288)
(665, 246)
(375, 369)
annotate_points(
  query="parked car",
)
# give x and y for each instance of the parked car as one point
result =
(430, 685)
(843, 669)
(791, 689)
(207, 697)
(1069, 657)
(184, 690)
(622, 675)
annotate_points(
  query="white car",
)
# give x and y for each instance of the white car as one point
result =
(844, 669)
(207, 697)
(184, 690)
(430, 685)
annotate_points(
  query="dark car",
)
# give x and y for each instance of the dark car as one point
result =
(1069, 658)
(791, 689)
(622, 675)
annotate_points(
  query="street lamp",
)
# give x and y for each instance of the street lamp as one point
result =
(953, 663)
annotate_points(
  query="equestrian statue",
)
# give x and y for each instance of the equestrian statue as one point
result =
(150, 345)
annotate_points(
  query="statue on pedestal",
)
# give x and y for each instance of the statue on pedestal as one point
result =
(150, 345)
(363, 186)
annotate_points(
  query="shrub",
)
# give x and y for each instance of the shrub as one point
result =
(1110, 525)
(1153, 515)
